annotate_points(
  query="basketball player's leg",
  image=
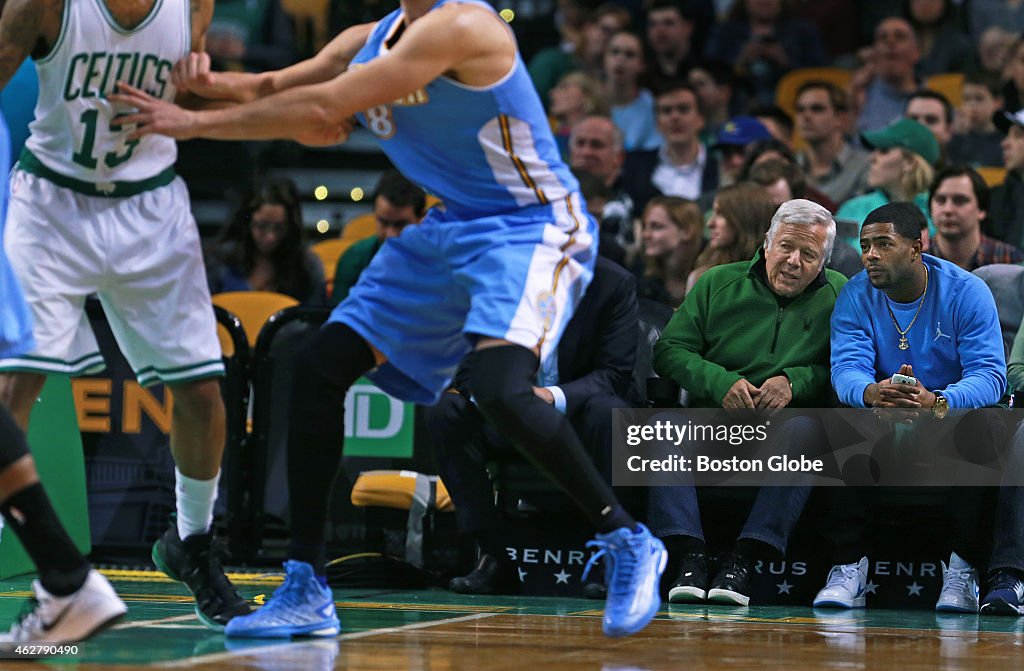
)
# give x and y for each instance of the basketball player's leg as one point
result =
(72, 600)
(159, 310)
(18, 393)
(399, 310)
(324, 372)
(523, 294)
(503, 376)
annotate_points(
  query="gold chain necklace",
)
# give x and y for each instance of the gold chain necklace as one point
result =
(904, 345)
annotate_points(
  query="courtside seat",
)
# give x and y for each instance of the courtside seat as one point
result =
(329, 252)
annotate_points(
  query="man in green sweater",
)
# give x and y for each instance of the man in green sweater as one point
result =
(753, 334)
(397, 202)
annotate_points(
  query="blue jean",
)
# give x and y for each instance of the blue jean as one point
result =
(1008, 537)
(674, 511)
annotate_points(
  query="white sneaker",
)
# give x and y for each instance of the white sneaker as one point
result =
(845, 587)
(959, 587)
(64, 619)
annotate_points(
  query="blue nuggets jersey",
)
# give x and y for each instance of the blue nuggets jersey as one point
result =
(498, 157)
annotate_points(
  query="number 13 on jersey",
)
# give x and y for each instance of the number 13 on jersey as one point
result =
(84, 156)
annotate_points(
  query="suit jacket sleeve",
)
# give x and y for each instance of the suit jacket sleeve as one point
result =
(616, 332)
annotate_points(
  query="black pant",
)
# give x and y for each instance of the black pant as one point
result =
(464, 442)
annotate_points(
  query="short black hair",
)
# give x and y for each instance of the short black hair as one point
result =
(682, 8)
(400, 192)
(981, 190)
(906, 218)
(990, 80)
(930, 94)
(674, 85)
(836, 95)
(721, 73)
(775, 113)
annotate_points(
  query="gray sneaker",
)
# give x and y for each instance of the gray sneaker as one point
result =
(65, 619)
(846, 586)
(959, 587)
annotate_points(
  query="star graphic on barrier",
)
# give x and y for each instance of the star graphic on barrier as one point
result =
(562, 577)
(913, 589)
(871, 587)
(522, 574)
(784, 587)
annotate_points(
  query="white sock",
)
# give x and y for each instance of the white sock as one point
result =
(195, 499)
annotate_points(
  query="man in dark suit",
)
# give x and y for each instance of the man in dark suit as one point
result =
(682, 166)
(587, 376)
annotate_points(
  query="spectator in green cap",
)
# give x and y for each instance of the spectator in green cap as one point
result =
(902, 159)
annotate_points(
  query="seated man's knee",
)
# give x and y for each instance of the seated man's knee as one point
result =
(444, 417)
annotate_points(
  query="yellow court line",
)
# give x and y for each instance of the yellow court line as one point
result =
(158, 576)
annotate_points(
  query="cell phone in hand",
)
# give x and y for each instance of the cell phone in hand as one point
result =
(904, 379)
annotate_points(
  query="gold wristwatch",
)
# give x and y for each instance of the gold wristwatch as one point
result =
(941, 407)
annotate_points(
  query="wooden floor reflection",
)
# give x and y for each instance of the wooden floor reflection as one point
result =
(504, 641)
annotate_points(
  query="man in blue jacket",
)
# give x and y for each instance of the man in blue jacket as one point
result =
(923, 317)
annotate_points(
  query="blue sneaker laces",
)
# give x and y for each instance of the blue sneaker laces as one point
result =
(618, 575)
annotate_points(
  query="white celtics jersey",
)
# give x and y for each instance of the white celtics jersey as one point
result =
(72, 134)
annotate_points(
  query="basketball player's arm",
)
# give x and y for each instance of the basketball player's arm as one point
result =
(193, 74)
(463, 40)
(26, 26)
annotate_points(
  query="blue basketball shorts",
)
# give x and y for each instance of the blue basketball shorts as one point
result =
(431, 292)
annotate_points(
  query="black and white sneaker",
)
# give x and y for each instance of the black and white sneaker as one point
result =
(193, 562)
(65, 619)
(1004, 594)
(731, 585)
(691, 585)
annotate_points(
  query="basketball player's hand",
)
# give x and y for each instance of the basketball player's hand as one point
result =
(325, 136)
(192, 74)
(152, 115)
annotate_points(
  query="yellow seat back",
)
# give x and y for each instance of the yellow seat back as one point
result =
(253, 308)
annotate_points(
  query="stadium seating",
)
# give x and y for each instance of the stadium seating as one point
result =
(253, 308)
(360, 227)
(949, 84)
(785, 92)
(329, 252)
(994, 175)
(1007, 284)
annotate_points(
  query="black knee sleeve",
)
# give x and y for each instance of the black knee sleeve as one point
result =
(324, 371)
(12, 441)
(501, 379)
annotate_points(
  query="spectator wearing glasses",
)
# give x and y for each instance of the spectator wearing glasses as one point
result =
(262, 248)
(397, 203)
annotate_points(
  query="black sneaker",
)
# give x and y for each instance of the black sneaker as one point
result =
(194, 563)
(489, 576)
(1004, 594)
(732, 584)
(691, 585)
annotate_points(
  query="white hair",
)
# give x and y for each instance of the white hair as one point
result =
(803, 212)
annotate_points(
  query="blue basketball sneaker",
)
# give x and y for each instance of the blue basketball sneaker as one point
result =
(301, 606)
(634, 562)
